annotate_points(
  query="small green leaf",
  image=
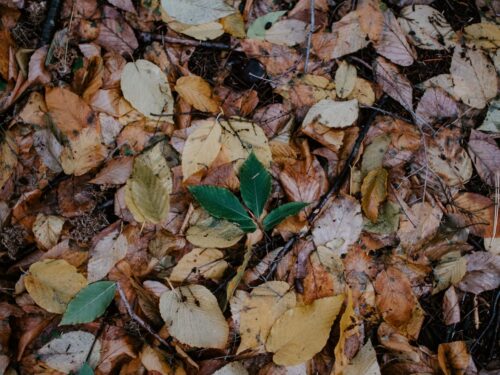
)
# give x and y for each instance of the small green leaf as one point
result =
(255, 184)
(257, 29)
(277, 215)
(223, 204)
(90, 303)
(86, 370)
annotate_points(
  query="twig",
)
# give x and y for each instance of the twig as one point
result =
(337, 185)
(138, 319)
(50, 22)
(309, 35)
(148, 37)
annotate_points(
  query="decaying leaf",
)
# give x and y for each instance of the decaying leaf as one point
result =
(349, 35)
(477, 213)
(148, 189)
(374, 192)
(483, 35)
(420, 226)
(435, 105)
(482, 273)
(49, 149)
(394, 84)
(212, 232)
(302, 332)
(486, 157)
(53, 283)
(109, 250)
(194, 12)
(208, 263)
(339, 225)
(474, 77)
(69, 352)
(197, 92)
(365, 362)
(193, 317)
(449, 271)
(47, 229)
(332, 114)
(146, 87)
(258, 310)
(345, 79)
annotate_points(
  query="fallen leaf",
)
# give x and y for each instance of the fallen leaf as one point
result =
(474, 77)
(423, 224)
(197, 92)
(53, 283)
(155, 361)
(204, 31)
(451, 307)
(491, 122)
(302, 331)
(435, 106)
(146, 87)
(482, 273)
(69, 352)
(363, 92)
(194, 12)
(332, 114)
(426, 27)
(374, 153)
(233, 368)
(258, 310)
(374, 192)
(345, 79)
(193, 317)
(449, 271)
(365, 362)
(234, 25)
(371, 18)
(477, 213)
(47, 229)
(287, 32)
(115, 172)
(339, 225)
(348, 36)
(394, 84)
(454, 358)
(115, 34)
(483, 35)
(208, 263)
(147, 193)
(387, 222)
(485, 155)
(49, 149)
(257, 29)
(392, 43)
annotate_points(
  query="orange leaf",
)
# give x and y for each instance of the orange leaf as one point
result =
(197, 92)
(374, 192)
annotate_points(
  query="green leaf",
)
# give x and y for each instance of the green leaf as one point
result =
(277, 215)
(223, 204)
(90, 303)
(257, 29)
(255, 184)
(86, 370)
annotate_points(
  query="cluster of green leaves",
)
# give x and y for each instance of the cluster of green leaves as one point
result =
(255, 189)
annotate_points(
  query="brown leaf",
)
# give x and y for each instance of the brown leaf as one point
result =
(419, 226)
(434, 106)
(454, 358)
(477, 213)
(115, 172)
(485, 154)
(277, 59)
(483, 269)
(374, 192)
(197, 92)
(394, 84)
(115, 34)
(451, 306)
(371, 18)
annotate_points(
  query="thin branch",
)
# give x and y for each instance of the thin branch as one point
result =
(148, 37)
(309, 35)
(138, 319)
(49, 25)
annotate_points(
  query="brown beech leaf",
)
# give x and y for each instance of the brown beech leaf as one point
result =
(477, 213)
(371, 18)
(454, 358)
(373, 192)
(420, 226)
(451, 307)
(395, 299)
(348, 35)
(485, 154)
(394, 84)
(115, 34)
(115, 172)
(392, 43)
(482, 273)
(435, 106)
(47, 229)
(197, 92)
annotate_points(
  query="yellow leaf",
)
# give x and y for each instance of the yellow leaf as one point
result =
(234, 25)
(345, 79)
(209, 231)
(302, 332)
(206, 137)
(208, 263)
(365, 362)
(47, 229)
(259, 310)
(193, 317)
(374, 192)
(363, 92)
(483, 35)
(449, 271)
(333, 114)
(156, 362)
(197, 92)
(147, 193)
(53, 283)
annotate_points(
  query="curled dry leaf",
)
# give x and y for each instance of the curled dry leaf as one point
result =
(426, 27)
(146, 87)
(193, 317)
(208, 263)
(69, 352)
(47, 229)
(53, 283)
(482, 273)
(197, 92)
(392, 43)
(194, 12)
(339, 225)
(345, 79)
(394, 84)
(257, 311)
(147, 193)
(302, 332)
(474, 77)
(332, 114)
(373, 192)
(207, 230)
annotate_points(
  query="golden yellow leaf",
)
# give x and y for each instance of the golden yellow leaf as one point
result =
(302, 332)
(454, 358)
(193, 317)
(155, 361)
(208, 263)
(147, 192)
(345, 79)
(234, 24)
(373, 192)
(259, 310)
(83, 153)
(363, 92)
(206, 137)
(47, 229)
(483, 35)
(53, 283)
(197, 92)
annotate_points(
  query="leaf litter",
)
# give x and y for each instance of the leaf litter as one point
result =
(211, 186)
